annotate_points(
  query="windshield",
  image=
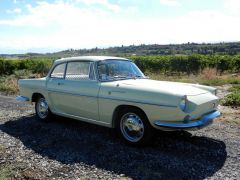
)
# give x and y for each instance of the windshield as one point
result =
(111, 70)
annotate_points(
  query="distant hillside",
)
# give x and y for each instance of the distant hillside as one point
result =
(155, 49)
(232, 48)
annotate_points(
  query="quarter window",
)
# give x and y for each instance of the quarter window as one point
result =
(79, 71)
(58, 71)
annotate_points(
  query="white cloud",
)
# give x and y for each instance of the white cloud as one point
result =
(90, 27)
(105, 3)
(14, 11)
(58, 13)
(172, 3)
(233, 6)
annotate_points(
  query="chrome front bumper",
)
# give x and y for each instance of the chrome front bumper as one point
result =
(22, 98)
(204, 121)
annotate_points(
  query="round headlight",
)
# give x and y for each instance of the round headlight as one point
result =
(183, 104)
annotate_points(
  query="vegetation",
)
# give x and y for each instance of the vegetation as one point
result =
(192, 64)
(35, 65)
(156, 49)
(233, 99)
(147, 50)
(169, 65)
(6, 172)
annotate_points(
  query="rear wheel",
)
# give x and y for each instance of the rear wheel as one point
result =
(133, 126)
(43, 112)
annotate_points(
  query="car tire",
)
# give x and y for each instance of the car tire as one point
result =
(133, 127)
(42, 110)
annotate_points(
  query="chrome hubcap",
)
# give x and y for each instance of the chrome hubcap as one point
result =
(42, 108)
(132, 127)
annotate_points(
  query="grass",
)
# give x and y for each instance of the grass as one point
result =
(8, 84)
(6, 172)
(232, 99)
(235, 88)
(201, 79)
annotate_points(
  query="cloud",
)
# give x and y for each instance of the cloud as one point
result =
(172, 3)
(14, 11)
(113, 7)
(58, 13)
(62, 25)
(233, 6)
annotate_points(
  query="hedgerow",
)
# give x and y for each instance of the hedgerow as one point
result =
(37, 65)
(192, 64)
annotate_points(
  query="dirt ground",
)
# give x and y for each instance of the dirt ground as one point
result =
(69, 149)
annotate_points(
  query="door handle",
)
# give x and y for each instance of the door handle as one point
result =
(60, 83)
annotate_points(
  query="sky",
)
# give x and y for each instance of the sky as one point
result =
(54, 25)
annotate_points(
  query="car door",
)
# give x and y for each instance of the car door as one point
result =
(76, 94)
(53, 84)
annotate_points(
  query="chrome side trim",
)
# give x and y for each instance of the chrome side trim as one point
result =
(81, 118)
(140, 102)
(204, 121)
(72, 94)
(22, 98)
(113, 98)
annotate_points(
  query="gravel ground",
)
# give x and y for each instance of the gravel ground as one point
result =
(69, 149)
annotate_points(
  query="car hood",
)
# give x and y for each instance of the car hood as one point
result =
(167, 87)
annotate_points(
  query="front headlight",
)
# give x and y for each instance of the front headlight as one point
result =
(183, 104)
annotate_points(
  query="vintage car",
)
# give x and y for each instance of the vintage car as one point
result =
(113, 92)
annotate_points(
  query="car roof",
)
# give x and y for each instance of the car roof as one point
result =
(89, 58)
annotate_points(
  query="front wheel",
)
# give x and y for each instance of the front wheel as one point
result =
(43, 112)
(134, 128)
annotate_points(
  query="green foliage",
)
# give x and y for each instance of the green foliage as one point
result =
(232, 99)
(235, 88)
(169, 65)
(192, 64)
(35, 65)
(23, 73)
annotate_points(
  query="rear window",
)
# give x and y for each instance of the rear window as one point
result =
(79, 71)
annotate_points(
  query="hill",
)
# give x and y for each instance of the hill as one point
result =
(231, 48)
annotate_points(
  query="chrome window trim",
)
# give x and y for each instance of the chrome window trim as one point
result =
(97, 64)
(49, 75)
(92, 63)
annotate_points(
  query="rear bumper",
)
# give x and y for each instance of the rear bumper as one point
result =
(204, 121)
(22, 98)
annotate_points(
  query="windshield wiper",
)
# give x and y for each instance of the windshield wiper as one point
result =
(127, 77)
(119, 76)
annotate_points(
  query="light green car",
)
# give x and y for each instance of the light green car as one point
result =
(113, 92)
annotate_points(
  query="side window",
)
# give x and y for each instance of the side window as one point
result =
(79, 71)
(58, 71)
